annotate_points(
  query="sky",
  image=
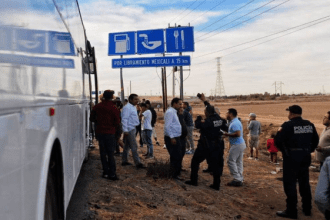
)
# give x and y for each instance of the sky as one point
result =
(259, 42)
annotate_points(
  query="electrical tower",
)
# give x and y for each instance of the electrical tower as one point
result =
(219, 88)
(278, 87)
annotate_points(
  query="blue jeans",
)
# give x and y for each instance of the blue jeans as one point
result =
(146, 136)
(107, 145)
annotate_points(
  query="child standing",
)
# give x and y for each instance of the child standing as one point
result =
(272, 149)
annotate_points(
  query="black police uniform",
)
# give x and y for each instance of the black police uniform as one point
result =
(210, 146)
(296, 139)
(183, 136)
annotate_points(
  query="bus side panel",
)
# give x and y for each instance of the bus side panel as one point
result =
(11, 191)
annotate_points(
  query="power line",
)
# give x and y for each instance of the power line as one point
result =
(208, 11)
(263, 37)
(192, 10)
(324, 19)
(184, 10)
(245, 21)
(228, 15)
(238, 18)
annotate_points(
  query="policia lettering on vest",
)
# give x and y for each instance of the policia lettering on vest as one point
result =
(210, 146)
(296, 139)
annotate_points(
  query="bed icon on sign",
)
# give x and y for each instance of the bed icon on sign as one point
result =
(122, 43)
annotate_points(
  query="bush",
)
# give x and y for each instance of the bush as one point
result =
(160, 169)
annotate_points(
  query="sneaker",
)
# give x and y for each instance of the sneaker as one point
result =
(188, 152)
(286, 214)
(189, 182)
(235, 183)
(105, 176)
(150, 157)
(145, 155)
(207, 170)
(157, 143)
(126, 164)
(277, 163)
(250, 158)
(140, 166)
(114, 178)
(192, 151)
(256, 158)
(215, 187)
(164, 146)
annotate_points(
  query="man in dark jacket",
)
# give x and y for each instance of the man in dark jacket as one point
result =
(184, 133)
(190, 127)
(296, 139)
(210, 146)
(106, 115)
(153, 121)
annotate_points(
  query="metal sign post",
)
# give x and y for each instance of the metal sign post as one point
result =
(181, 81)
(122, 95)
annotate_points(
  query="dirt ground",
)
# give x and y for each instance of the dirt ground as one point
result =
(136, 196)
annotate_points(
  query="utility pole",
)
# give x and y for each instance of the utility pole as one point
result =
(173, 84)
(219, 87)
(278, 87)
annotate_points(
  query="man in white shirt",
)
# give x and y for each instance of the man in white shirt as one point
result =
(129, 120)
(172, 133)
(147, 129)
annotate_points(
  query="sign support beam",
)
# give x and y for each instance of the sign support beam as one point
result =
(122, 95)
(181, 81)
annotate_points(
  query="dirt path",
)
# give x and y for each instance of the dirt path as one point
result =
(136, 196)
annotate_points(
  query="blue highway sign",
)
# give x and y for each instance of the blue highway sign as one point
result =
(180, 39)
(150, 41)
(37, 61)
(122, 43)
(36, 41)
(31, 41)
(61, 44)
(151, 62)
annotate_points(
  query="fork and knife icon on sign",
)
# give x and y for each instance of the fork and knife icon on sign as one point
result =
(176, 35)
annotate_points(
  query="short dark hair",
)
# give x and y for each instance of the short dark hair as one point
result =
(175, 100)
(132, 96)
(233, 111)
(187, 104)
(148, 102)
(143, 104)
(126, 100)
(210, 110)
(108, 94)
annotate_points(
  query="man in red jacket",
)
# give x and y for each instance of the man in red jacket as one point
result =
(106, 116)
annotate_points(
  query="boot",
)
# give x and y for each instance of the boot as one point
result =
(216, 182)
(287, 214)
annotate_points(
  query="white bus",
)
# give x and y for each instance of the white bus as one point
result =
(45, 89)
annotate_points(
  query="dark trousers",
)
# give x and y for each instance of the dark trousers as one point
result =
(183, 149)
(296, 167)
(107, 145)
(139, 131)
(175, 155)
(214, 156)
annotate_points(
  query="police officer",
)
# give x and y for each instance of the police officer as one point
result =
(296, 139)
(210, 146)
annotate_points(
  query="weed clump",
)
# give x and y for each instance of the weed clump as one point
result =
(160, 169)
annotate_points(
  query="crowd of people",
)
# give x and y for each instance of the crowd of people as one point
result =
(118, 125)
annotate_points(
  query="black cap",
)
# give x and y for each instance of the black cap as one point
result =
(108, 94)
(295, 109)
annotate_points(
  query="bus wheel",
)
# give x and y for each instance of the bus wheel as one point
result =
(51, 210)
